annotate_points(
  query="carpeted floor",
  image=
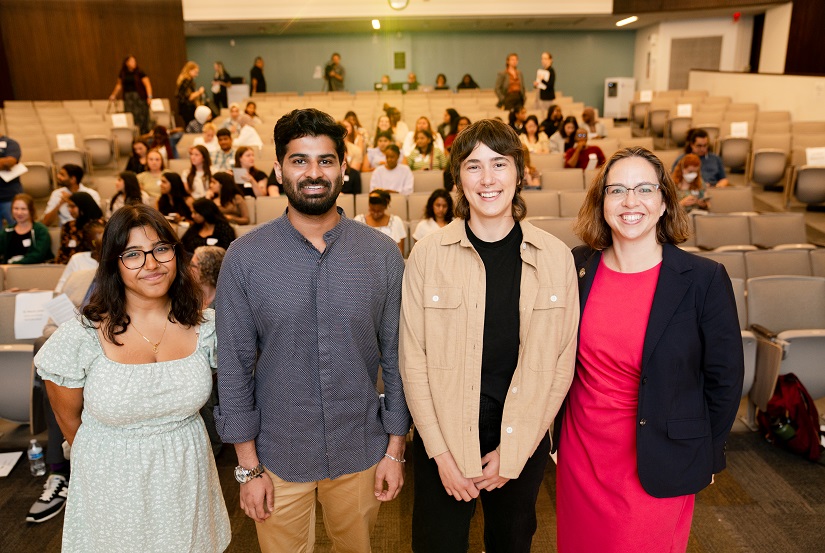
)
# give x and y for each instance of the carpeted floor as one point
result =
(768, 501)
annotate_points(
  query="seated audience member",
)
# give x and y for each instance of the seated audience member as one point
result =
(248, 136)
(384, 83)
(175, 203)
(581, 155)
(463, 123)
(437, 214)
(532, 176)
(399, 127)
(209, 227)
(233, 122)
(137, 161)
(378, 218)
(713, 170)
(209, 140)
(441, 82)
(84, 209)
(449, 123)
(159, 140)
(127, 192)
(690, 187)
(149, 180)
(553, 121)
(196, 177)
(224, 192)
(517, 118)
(69, 180)
(352, 182)
(564, 138)
(595, 129)
(205, 266)
(467, 82)
(202, 115)
(352, 117)
(535, 140)
(375, 156)
(75, 282)
(412, 82)
(421, 124)
(355, 146)
(224, 158)
(392, 177)
(383, 124)
(10, 154)
(425, 156)
(25, 241)
(251, 110)
(254, 180)
(83, 260)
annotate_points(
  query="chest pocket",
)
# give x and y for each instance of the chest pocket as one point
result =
(545, 326)
(442, 305)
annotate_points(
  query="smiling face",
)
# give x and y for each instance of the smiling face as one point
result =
(630, 219)
(20, 212)
(489, 183)
(383, 123)
(311, 174)
(195, 157)
(154, 279)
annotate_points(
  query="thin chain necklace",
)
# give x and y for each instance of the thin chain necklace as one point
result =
(155, 346)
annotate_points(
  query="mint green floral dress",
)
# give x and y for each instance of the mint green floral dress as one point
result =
(143, 475)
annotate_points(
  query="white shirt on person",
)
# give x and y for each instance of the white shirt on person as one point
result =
(57, 195)
(425, 227)
(394, 228)
(399, 179)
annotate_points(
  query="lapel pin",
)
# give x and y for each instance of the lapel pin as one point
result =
(581, 272)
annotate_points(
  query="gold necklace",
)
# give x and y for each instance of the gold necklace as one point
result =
(155, 346)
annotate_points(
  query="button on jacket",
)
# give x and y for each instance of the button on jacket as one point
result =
(441, 341)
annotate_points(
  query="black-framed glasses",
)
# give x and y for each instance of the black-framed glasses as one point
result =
(642, 191)
(135, 259)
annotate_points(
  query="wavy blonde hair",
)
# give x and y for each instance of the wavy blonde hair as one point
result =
(184, 73)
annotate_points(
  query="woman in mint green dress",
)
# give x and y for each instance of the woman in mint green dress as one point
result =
(126, 381)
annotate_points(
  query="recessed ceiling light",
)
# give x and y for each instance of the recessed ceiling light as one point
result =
(376, 24)
(627, 21)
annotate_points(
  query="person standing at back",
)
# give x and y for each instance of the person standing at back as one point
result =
(256, 77)
(308, 312)
(510, 85)
(545, 83)
(335, 73)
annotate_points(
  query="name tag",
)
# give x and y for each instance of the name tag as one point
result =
(3, 144)
(72, 243)
(419, 159)
(247, 184)
(27, 242)
(346, 178)
(211, 241)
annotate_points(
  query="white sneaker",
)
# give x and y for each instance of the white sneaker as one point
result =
(51, 501)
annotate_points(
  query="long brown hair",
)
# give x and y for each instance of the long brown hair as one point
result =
(673, 226)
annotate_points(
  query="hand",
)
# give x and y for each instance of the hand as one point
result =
(391, 472)
(201, 90)
(462, 489)
(64, 197)
(258, 498)
(688, 201)
(112, 98)
(489, 479)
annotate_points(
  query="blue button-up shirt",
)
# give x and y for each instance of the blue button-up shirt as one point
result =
(301, 335)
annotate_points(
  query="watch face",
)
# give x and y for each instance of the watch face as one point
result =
(241, 474)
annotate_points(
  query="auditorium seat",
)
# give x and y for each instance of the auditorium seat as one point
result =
(714, 231)
(748, 337)
(17, 375)
(560, 227)
(564, 179)
(734, 262)
(570, 202)
(730, 199)
(769, 230)
(541, 203)
(777, 262)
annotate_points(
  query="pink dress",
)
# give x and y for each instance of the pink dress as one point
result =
(601, 505)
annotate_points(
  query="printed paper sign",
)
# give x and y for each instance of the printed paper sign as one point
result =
(30, 315)
(739, 129)
(157, 104)
(645, 95)
(119, 120)
(815, 156)
(65, 142)
(684, 110)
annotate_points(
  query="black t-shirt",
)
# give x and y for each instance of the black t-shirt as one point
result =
(499, 356)
(258, 175)
(549, 93)
(15, 244)
(258, 74)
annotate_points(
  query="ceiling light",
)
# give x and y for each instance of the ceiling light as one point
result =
(376, 24)
(627, 21)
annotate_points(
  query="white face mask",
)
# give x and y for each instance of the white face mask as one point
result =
(690, 177)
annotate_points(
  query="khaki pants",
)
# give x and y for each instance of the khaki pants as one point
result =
(349, 506)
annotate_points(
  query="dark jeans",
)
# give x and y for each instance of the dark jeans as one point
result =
(441, 524)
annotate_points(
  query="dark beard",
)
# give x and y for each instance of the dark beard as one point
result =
(318, 205)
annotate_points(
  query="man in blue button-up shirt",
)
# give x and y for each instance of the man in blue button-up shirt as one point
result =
(308, 308)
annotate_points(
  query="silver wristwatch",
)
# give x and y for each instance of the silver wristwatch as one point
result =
(244, 475)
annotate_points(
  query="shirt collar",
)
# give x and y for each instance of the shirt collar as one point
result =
(284, 225)
(456, 233)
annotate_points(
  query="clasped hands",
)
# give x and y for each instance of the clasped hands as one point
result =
(465, 489)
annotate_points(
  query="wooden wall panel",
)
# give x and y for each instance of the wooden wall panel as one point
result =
(806, 54)
(73, 49)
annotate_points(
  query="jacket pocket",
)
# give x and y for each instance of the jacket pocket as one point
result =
(546, 322)
(442, 305)
(687, 429)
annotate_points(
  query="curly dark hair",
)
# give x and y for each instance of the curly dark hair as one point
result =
(107, 304)
(308, 122)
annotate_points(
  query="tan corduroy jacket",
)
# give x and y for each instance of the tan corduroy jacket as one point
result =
(442, 330)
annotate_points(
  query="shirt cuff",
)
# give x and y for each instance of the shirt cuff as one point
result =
(236, 428)
(396, 423)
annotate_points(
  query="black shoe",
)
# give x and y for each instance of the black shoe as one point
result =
(51, 501)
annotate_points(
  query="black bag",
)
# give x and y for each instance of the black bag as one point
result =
(791, 420)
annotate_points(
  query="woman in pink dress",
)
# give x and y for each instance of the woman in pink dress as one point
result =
(658, 374)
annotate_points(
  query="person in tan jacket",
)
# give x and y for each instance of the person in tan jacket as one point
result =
(489, 319)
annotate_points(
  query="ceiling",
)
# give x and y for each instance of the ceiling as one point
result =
(451, 24)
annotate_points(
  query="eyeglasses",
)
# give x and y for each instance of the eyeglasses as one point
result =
(135, 259)
(642, 191)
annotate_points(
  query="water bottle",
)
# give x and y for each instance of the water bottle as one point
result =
(36, 463)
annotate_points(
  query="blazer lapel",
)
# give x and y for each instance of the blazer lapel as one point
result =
(670, 290)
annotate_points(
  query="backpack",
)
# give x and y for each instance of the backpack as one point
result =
(791, 420)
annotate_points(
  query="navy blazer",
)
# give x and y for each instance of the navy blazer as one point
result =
(692, 371)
